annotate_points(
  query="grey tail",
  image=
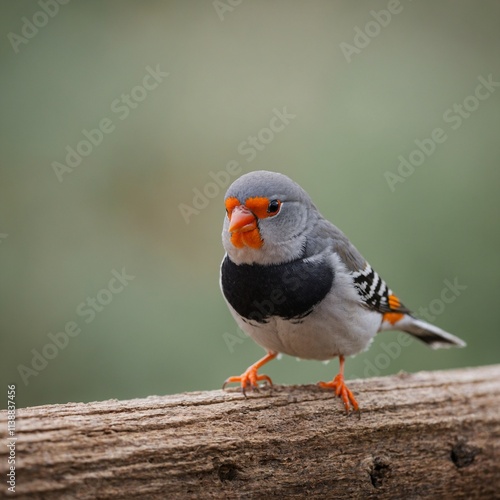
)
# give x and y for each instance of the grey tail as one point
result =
(433, 336)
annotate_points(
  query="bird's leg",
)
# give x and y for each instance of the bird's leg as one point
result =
(340, 388)
(250, 377)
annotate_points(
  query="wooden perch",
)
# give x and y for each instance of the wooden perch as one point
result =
(427, 435)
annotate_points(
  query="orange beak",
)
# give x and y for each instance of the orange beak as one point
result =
(242, 220)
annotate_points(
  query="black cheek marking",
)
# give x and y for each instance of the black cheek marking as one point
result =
(289, 290)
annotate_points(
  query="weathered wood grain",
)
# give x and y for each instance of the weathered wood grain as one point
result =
(426, 435)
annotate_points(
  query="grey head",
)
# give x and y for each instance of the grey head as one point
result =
(268, 217)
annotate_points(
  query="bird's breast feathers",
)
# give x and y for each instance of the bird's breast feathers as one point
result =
(290, 290)
(307, 308)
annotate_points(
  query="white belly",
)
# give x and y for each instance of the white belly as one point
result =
(339, 325)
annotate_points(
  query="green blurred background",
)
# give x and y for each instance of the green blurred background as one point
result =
(168, 330)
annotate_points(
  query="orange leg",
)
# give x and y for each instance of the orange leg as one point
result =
(340, 388)
(250, 377)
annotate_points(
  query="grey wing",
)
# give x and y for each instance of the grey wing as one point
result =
(374, 292)
(326, 235)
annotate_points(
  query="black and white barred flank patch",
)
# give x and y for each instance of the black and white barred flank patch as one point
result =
(374, 291)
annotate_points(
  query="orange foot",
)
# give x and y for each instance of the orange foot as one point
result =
(341, 389)
(250, 378)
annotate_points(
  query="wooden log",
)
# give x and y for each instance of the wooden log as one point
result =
(426, 435)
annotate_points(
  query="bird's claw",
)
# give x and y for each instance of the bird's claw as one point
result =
(248, 380)
(341, 390)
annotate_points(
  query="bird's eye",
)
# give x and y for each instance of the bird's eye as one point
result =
(274, 207)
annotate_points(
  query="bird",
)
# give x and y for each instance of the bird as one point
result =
(296, 285)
